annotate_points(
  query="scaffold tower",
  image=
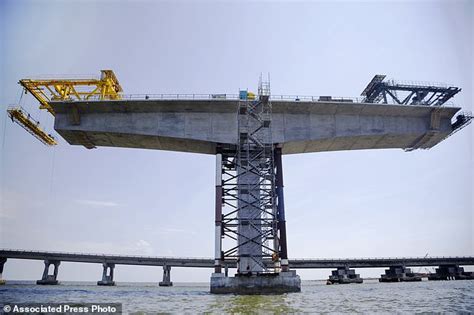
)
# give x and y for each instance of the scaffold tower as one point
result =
(249, 225)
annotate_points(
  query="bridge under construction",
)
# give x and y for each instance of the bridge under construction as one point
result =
(248, 133)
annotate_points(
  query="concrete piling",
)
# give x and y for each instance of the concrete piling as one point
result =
(48, 279)
(451, 272)
(2, 263)
(399, 274)
(344, 275)
(107, 275)
(166, 277)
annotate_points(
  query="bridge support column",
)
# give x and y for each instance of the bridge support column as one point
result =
(218, 232)
(47, 278)
(344, 275)
(2, 263)
(399, 274)
(281, 209)
(107, 275)
(451, 272)
(166, 277)
(254, 217)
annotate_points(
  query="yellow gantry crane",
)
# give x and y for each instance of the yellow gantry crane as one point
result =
(46, 90)
(107, 87)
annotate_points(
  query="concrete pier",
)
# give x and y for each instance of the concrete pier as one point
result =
(272, 283)
(218, 254)
(2, 263)
(451, 272)
(166, 277)
(107, 275)
(399, 274)
(249, 231)
(47, 278)
(344, 275)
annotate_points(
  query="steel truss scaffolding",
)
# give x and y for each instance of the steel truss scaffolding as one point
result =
(248, 228)
(407, 93)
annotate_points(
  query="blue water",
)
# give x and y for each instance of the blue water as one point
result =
(369, 297)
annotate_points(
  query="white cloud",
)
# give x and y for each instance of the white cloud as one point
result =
(144, 247)
(173, 230)
(159, 230)
(4, 214)
(97, 203)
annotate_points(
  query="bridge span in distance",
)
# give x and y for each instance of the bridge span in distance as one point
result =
(448, 267)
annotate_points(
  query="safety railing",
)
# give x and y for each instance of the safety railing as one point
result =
(224, 96)
(383, 258)
(39, 252)
(64, 77)
(233, 97)
(417, 83)
(17, 251)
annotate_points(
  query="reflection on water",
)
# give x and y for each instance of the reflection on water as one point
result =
(267, 303)
(371, 296)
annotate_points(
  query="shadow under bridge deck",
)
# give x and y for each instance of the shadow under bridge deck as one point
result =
(198, 126)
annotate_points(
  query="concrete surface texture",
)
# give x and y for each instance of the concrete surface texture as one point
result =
(282, 282)
(198, 126)
(250, 244)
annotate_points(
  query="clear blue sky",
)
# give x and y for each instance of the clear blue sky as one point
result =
(143, 202)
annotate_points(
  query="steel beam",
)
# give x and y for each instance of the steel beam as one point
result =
(281, 210)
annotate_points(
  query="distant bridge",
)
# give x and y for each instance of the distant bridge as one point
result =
(109, 262)
(299, 263)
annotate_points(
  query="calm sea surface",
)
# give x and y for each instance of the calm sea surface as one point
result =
(369, 297)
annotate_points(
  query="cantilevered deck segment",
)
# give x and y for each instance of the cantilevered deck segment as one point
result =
(300, 126)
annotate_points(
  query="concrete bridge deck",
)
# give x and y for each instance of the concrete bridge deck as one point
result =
(209, 262)
(300, 126)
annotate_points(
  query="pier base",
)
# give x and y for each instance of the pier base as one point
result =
(451, 272)
(48, 279)
(399, 274)
(344, 275)
(277, 283)
(107, 277)
(2, 263)
(166, 277)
